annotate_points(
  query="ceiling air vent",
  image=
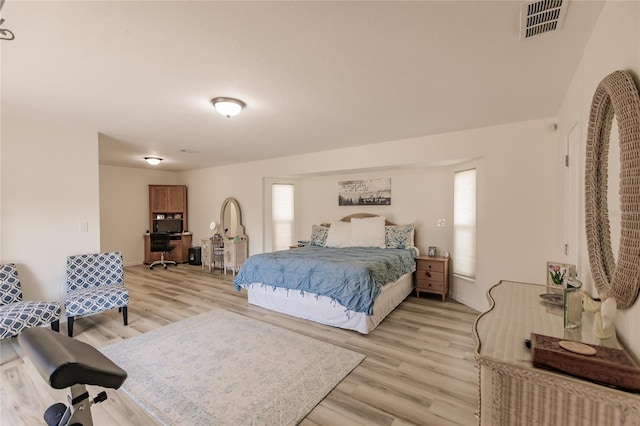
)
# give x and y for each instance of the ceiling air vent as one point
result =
(542, 16)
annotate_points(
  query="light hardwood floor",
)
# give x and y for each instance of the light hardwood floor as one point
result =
(419, 367)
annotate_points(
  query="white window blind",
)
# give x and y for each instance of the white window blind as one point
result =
(464, 223)
(282, 215)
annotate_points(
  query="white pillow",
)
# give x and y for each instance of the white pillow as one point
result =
(339, 235)
(368, 232)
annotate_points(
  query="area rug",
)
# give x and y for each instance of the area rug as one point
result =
(222, 368)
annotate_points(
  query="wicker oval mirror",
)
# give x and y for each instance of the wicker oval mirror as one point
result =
(616, 95)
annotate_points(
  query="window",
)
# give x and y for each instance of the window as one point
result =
(464, 223)
(282, 215)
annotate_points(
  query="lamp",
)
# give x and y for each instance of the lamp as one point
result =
(213, 226)
(229, 107)
(154, 161)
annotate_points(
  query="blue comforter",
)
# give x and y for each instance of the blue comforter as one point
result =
(352, 276)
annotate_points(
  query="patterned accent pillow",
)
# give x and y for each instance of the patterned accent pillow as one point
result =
(10, 288)
(319, 235)
(400, 237)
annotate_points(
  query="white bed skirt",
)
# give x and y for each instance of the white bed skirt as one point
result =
(325, 311)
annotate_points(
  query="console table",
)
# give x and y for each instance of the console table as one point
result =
(514, 392)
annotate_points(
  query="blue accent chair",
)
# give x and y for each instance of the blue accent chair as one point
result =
(17, 314)
(95, 283)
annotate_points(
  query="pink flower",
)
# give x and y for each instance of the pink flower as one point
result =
(557, 273)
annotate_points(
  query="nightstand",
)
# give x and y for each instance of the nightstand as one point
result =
(432, 275)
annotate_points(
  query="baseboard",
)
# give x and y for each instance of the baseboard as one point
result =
(473, 304)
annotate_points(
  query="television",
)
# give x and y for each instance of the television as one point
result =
(172, 226)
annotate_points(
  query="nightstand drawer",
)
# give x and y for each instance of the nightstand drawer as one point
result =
(422, 274)
(430, 265)
(429, 285)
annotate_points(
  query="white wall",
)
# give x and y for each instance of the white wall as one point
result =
(49, 187)
(0, 181)
(614, 45)
(207, 190)
(517, 229)
(124, 208)
(418, 195)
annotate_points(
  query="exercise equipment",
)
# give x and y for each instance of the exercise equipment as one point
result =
(67, 363)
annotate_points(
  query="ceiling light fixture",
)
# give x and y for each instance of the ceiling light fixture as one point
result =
(229, 107)
(154, 161)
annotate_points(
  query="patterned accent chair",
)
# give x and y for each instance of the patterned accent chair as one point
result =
(95, 283)
(16, 314)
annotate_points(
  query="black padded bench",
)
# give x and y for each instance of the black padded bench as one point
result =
(64, 362)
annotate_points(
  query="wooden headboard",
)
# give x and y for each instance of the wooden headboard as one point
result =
(364, 215)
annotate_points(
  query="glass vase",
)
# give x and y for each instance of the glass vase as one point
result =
(572, 303)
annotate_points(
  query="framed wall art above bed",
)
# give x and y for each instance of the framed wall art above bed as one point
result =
(365, 192)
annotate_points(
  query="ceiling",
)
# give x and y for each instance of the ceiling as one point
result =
(314, 75)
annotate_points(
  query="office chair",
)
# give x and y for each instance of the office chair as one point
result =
(161, 242)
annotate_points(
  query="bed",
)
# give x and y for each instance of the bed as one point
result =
(350, 281)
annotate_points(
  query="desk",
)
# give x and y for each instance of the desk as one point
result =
(514, 392)
(180, 252)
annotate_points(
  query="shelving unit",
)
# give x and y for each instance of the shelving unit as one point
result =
(218, 251)
(167, 202)
(213, 253)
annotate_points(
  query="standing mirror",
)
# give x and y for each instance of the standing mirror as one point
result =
(617, 96)
(230, 225)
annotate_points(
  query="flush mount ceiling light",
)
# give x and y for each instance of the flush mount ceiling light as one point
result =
(154, 161)
(229, 107)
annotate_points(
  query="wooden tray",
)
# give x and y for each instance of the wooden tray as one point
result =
(612, 367)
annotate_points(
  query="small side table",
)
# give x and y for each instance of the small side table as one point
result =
(235, 253)
(432, 275)
(207, 253)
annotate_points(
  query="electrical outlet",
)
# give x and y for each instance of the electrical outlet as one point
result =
(441, 223)
(84, 227)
